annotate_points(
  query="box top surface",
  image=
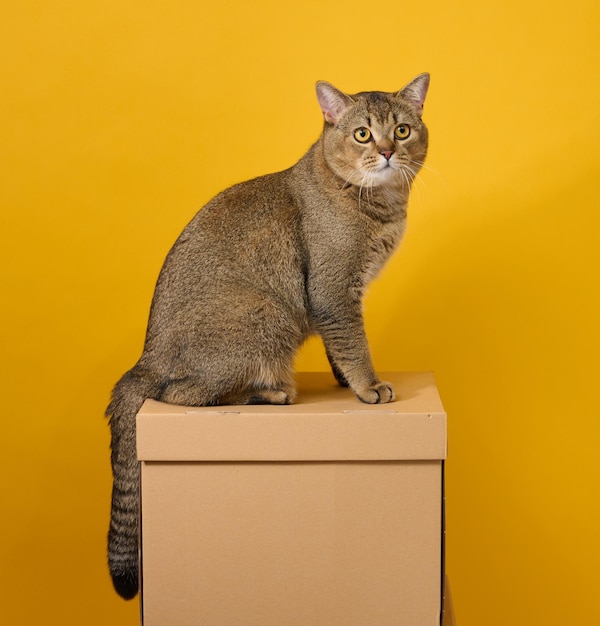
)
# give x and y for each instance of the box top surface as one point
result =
(327, 423)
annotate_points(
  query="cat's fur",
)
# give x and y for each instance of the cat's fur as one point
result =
(261, 267)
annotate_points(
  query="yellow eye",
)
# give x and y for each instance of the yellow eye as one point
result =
(362, 135)
(402, 131)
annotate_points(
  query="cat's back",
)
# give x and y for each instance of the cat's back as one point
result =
(248, 232)
(255, 205)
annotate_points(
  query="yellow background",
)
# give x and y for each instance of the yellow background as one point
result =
(120, 119)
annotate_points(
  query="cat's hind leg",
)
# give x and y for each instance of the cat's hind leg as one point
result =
(194, 392)
(189, 391)
(286, 394)
(266, 379)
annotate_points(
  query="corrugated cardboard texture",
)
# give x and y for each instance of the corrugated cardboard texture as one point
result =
(307, 540)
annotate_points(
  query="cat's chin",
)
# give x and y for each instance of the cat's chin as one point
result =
(384, 177)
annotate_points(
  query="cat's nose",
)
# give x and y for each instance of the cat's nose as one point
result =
(387, 154)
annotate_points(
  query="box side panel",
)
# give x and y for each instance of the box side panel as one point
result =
(348, 544)
(277, 436)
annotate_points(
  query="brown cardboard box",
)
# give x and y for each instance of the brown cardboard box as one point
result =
(327, 512)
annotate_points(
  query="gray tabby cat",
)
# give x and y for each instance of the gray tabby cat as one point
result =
(261, 267)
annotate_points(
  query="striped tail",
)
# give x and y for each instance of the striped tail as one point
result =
(123, 543)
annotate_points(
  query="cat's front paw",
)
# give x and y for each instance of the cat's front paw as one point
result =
(379, 393)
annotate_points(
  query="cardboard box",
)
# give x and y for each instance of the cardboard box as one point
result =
(327, 512)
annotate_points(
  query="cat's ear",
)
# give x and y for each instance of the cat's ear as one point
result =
(415, 92)
(332, 101)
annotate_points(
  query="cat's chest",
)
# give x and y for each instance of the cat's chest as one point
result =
(379, 246)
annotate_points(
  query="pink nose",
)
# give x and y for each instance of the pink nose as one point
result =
(387, 154)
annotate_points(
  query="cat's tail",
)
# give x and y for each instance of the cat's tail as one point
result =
(127, 398)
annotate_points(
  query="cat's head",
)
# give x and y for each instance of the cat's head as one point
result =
(375, 138)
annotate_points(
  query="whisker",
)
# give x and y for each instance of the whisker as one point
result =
(419, 184)
(346, 184)
(360, 190)
(366, 185)
(432, 170)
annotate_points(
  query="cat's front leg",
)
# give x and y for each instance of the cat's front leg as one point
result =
(348, 353)
(379, 393)
(337, 372)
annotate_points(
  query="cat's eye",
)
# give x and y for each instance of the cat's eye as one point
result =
(402, 131)
(362, 135)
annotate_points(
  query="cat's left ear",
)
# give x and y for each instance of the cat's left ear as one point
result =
(332, 101)
(415, 92)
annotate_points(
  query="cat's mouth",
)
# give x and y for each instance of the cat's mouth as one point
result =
(386, 168)
(377, 172)
(376, 177)
(386, 172)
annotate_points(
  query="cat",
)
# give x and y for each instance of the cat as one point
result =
(263, 266)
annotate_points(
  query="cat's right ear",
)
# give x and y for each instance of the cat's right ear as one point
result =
(415, 92)
(332, 101)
